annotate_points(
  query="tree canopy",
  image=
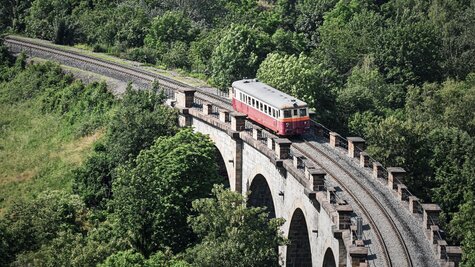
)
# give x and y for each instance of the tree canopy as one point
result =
(233, 234)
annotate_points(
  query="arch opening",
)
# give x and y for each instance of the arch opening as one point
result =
(329, 259)
(222, 171)
(298, 251)
(261, 195)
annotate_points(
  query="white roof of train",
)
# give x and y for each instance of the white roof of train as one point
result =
(268, 94)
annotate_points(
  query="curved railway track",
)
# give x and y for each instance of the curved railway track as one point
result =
(389, 261)
(135, 72)
(307, 148)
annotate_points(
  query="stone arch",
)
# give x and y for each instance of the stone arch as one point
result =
(222, 169)
(261, 195)
(329, 259)
(298, 251)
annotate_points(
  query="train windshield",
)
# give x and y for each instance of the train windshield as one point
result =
(303, 112)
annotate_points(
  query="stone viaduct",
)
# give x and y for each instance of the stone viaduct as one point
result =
(275, 182)
(322, 232)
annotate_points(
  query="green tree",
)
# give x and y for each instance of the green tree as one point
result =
(13, 14)
(173, 26)
(201, 50)
(366, 90)
(138, 121)
(140, 118)
(130, 258)
(204, 11)
(408, 52)
(6, 61)
(288, 42)
(6, 255)
(310, 15)
(124, 259)
(123, 24)
(52, 20)
(453, 163)
(392, 140)
(238, 55)
(233, 234)
(463, 227)
(177, 56)
(301, 77)
(453, 20)
(152, 197)
(450, 104)
(285, 10)
(33, 223)
(349, 32)
(93, 180)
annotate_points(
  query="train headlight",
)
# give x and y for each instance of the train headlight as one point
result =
(287, 125)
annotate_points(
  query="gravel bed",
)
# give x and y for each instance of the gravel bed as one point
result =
(114, 74)
(410, 227)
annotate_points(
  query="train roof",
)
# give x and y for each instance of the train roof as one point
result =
(268, 94)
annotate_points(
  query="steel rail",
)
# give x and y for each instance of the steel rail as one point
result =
(361, 206)
(131, 71)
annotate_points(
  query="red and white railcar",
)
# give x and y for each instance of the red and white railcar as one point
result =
(271, 108)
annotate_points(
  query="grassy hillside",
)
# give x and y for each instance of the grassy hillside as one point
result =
(48, 123)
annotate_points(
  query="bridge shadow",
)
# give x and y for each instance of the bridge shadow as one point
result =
(261, 196)
(222, 170)
(298, 251)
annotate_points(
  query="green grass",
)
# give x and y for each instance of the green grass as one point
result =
(48, 123)
(35, 153)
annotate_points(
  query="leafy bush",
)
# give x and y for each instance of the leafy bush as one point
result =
(176, 56)
(152, 196)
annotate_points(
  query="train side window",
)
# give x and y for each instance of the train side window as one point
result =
(278, 113)
(273, 113)
(287, 113)
(303, 112)
(265, 108)
(253, 102)
(260, 106)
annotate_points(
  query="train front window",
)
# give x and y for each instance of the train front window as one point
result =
(287, 113)
(303, 112)
(296, 112)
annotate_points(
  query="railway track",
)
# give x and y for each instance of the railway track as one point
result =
(399, 238)
(388, 260)
(134, 72)
(392, 254)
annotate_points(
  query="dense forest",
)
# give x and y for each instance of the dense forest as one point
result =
(400, 73)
